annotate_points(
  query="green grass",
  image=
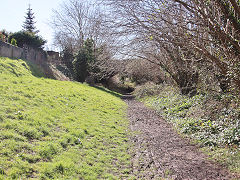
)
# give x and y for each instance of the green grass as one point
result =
(59, 130)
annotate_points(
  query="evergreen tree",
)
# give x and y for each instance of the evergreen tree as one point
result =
(29, 23)
(83, 63)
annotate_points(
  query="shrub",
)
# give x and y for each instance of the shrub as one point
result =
(80, 66)
(93, 64)
(148, 89)
(203, 117)
(83, 60)
(2, 37)
(27, 38)
(142, 71)
(14, 42)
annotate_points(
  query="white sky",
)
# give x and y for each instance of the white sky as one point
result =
(12, 14)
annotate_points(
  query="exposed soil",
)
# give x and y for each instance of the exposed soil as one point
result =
(160, 153)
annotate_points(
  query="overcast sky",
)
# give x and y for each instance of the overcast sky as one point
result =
(12, 14)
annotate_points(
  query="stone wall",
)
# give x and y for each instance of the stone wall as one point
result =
(53, 57)
(8, 50)
(37, 56)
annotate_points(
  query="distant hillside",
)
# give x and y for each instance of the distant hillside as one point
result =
(53, 129)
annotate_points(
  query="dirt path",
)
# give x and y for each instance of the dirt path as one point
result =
(160, 152)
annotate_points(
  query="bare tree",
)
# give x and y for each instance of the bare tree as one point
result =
(71, 23)
(78, 21)
(184, 36)
(152, 32)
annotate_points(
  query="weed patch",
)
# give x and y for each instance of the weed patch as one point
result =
(212, 121)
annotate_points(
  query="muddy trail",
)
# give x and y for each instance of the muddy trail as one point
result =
(160, 153)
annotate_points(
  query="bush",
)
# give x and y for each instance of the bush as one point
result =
(27, 38)
(210, 119)
(93, 64)
(14, 42)
(2, 37)
(148, 89)
(80, 66)
(142, 71)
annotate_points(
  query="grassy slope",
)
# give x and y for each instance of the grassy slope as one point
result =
(53, 129)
